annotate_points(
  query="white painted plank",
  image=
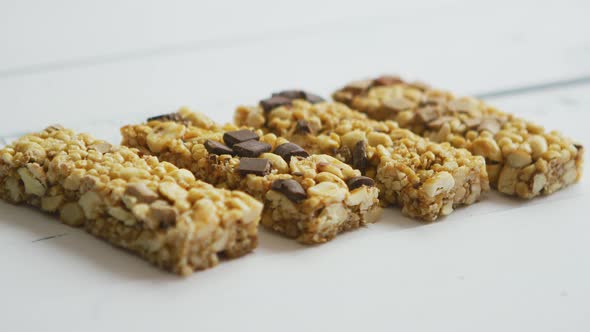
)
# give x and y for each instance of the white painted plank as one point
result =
(40, 32)
(480, 54)
(48, 35)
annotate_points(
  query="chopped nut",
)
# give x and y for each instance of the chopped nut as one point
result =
(172, 191)
(72, 214)
(328, 191)
(538, 145)
(102, 147)
(32, 185)
(507, 180)
(491, 125)
(14, 190)
(91, 203)
(436, 124)
(472, 123)
(375, 138)
(121, 214)
(462, 105)
(518, 159)
(397, 104)
(539, 181)
(51, 203)
(440, 183)
(427, 114)
(141, 192)
(163, 213)
(487, 148)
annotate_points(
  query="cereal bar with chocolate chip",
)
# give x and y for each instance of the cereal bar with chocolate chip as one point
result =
(154, 209)
(523, 159)
(426, 179)
(308, 197)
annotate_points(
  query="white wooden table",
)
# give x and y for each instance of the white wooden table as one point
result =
(501, 265)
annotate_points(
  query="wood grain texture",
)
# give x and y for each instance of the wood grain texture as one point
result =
(501, 265)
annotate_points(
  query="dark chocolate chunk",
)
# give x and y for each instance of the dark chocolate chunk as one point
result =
(251, 148)
(234, 137)
(166, 117)
(288, 150)
(359, 156)
(215, 147)
(313, 98)
(256, 166)
(360, 181)
(299, 94)
(273, 102)
(290, 188)
(578, 147)
(387, 80)
(291, 94)
(302, 127)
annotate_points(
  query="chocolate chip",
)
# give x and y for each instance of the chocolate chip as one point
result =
(273, 102)
(359, 156)
(166, 117)
(360, 181)
(302, 127)
(234, 137)
(256, 166)
(387, 80)
(288, 150)
(218, 148)
(313, 98)
(578, 147)
(251, 148)
(290, 188)
(291, 94)
(299, 94)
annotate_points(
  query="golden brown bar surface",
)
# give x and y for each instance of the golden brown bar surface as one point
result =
(310, 198)
(151, 208)
(426, 179)
(523, 159)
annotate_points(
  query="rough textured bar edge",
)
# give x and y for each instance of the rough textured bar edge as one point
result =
(523, 159)
(426, 179)
(151, 208)
(328, 208)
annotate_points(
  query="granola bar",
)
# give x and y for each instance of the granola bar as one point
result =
(523, 159)
(151, 208)
(308, 197)
(426, 179)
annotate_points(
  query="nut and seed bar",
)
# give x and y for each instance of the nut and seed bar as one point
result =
(151, 208)
(308, 197)
(523, 159)
(426, 179)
